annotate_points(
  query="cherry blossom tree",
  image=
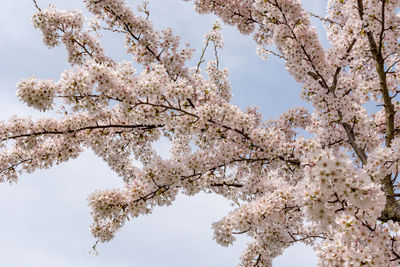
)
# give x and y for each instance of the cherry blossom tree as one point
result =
(334, 188)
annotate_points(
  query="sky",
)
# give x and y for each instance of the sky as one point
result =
(45, 218)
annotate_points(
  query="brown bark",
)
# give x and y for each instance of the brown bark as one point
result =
(392, 208)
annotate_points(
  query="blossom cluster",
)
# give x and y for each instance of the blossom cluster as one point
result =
(333, 188)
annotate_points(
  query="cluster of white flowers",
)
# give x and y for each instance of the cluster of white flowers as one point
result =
(51, 20)
(234, 12)
(67, 27)
(37, 93)
(215, 36)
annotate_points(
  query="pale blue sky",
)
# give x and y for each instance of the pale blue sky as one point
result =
(45, 217)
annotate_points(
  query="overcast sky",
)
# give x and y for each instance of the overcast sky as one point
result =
(45, 219)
